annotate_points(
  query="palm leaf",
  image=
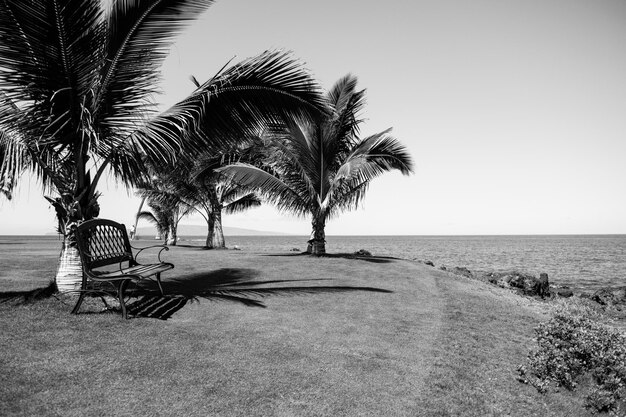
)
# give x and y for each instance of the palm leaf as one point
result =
(140, 34)
(236, 102)
(241, 204)
(269, 186)
(375, 155)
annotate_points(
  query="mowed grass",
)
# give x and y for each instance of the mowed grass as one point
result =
(437, 345)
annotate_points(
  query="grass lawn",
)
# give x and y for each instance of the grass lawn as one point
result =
(436, 345)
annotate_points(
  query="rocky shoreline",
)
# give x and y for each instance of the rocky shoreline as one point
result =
(611, 300)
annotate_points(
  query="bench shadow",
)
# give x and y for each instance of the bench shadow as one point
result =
(237, 285)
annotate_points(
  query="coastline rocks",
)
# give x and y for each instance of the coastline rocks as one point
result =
(461, 271)
(610, 296)
(603, 296)
(526, 283)
(564, 292)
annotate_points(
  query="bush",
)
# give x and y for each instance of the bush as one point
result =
(575, 347)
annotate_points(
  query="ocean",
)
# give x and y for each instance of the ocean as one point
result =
(582, 262)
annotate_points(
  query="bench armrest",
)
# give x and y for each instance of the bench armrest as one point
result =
(139, 250)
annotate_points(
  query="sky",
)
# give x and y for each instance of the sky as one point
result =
(514, 111)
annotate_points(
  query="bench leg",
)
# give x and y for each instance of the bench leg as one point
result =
(79, 302)
(158, 278)
(120, 294)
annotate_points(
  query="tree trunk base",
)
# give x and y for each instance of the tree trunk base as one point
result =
(69, 275)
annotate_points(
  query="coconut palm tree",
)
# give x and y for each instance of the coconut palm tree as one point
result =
(217, 195)
(77, 79)
(164, 219)
(196, 186)
(166, 208)
(320, 169)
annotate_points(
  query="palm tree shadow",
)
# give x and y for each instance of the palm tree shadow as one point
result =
(373, 259)
(25, 297)
(227, 284)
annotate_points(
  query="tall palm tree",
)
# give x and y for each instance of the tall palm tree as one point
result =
(77, 79)
(320, 169)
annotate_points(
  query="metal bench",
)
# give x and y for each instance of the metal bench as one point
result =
(102, 243)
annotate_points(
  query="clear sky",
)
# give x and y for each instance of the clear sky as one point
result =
(514, 111)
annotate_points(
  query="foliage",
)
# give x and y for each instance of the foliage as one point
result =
(322, 168)
(573, 347)
(77, 86)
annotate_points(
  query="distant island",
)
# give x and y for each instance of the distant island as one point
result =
(200, 230)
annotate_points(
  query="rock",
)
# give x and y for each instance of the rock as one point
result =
(620, 295)
(429, 263)
(362, 252)
(544, 285)
(565, 293)
(528, 284)
(443, 268)
(604, 296)
(461, 271)
(498, 278)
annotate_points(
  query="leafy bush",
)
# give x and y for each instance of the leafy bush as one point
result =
(575, 347)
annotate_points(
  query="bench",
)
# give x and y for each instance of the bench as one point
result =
(103, 243)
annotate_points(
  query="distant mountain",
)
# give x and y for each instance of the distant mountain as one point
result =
(195, 230)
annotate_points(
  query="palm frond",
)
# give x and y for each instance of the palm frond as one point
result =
(49, 57)
(375, 155)
(235, 103)
(270, 187)
(346, 104)
(13, 157)
(140, 33)
(242, 203)
(146, 215)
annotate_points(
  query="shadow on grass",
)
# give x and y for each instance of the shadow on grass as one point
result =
(237, 285)
(373, 259)
(25, 297)
(227, 284)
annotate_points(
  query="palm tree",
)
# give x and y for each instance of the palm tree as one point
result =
(167, 209)
(196, 186)
(77, 79)
(163, 218)
(319, 169)
(216, 196)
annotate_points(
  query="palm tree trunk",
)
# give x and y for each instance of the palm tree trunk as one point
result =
(218, 232)
(70, 272)
(209, 234)
(215, 233)
(173, 235)
(173, 228)
(134, 236)
(317, 244)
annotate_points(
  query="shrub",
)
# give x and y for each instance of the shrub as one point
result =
(573, 346)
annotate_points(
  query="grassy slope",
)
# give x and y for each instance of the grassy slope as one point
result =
(437, 345)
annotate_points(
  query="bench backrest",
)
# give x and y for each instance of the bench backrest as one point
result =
(102, 242)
